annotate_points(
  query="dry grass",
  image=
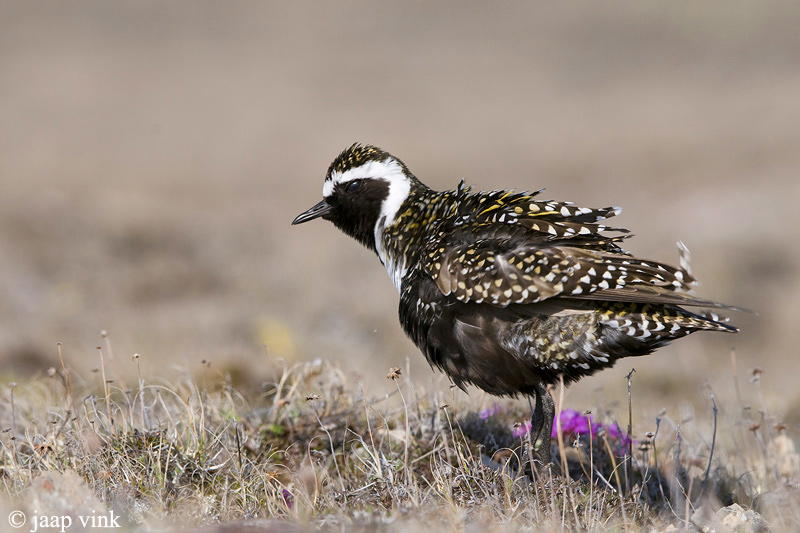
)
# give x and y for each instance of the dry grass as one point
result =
(310, 449)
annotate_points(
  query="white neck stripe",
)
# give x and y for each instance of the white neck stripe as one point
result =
(391, 172)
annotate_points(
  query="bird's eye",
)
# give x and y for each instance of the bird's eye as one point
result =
(353, 185)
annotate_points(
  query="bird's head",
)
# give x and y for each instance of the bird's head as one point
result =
(363, 191)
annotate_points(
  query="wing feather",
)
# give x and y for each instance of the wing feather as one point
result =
(502, 264)
(506, 248)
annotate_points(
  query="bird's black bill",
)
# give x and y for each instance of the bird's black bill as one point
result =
(319, 210)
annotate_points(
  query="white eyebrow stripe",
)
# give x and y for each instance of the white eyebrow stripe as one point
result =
(327, 187)
(387, 170)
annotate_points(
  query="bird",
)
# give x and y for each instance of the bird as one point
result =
(507, 292)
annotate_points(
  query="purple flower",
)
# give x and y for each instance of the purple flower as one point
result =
(288, 499)
(521, 430)
(614, 433)
(574, 423)
(493, 410)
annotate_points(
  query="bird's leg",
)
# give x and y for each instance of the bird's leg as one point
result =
(536, 428)
(542, 421)
(536, 418)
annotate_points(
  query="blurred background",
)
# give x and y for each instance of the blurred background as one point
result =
(153, 155)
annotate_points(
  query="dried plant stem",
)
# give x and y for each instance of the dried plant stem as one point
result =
(655, 460)
(11, 387)
(561, 451)
(145, 420)
(591, 464)
(330, 440)
(111, 363)
(713, 443)
(408, 435)
(679, 488)
(105, 387)
(629, 459)
(736, 378)
(67, 385)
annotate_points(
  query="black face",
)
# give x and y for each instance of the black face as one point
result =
(353, 207)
